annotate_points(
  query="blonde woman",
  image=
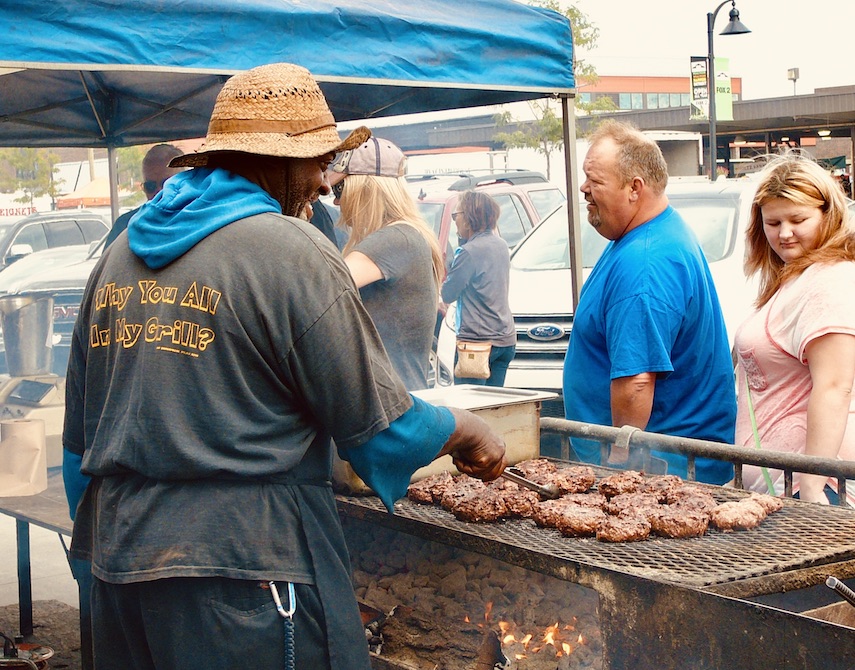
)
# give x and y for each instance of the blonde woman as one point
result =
(796, 353)
(392, 254)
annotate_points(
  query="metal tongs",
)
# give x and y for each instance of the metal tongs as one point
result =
(548, 491)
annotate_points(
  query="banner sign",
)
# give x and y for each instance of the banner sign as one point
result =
(699, 109)
(723, 93)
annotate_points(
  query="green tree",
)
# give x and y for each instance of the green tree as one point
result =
(585, 36)
(129, 168)
(545, 133)
(33, 172)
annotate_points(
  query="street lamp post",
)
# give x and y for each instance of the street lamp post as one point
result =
(793, 76)
(734, 27)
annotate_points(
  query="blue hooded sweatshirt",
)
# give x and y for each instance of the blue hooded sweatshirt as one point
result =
(191, 206)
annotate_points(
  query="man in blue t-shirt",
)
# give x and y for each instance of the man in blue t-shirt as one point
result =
(649, 347)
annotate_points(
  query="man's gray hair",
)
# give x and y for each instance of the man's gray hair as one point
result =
(638, 155)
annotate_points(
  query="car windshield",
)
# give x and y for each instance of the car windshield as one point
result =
(713, 218)
(547, 248)
(546, 200)
(432, 214)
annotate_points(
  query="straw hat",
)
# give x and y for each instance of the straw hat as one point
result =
(272, 110)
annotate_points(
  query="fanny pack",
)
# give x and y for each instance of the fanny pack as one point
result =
(473, 360)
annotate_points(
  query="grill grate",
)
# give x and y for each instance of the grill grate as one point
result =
(799, 535)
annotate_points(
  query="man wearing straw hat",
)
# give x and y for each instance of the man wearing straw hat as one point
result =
(219, 346)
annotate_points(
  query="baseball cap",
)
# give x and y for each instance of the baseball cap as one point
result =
(376, 157)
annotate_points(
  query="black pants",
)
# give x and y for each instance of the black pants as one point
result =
(82, 571)
(209, 623)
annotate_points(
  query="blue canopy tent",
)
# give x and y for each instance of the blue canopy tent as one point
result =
(111, 73)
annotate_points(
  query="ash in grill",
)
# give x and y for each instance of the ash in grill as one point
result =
(443, 602)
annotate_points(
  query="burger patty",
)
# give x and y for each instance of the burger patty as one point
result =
(579, 521)
(536, 467)
(632, 502)
(679, 523)
(692, 498)
(430, 489)
(740, 515)
(767, 502)
(463, 487)
(628, 528)
(548, 513)
(628, 481)
(661, 486)
(589, 499)
(519, 501)
(488, 505)
(576, 479)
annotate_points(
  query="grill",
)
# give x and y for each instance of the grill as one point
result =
(797, 536)
(676, 603)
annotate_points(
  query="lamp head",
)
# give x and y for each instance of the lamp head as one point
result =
(734, 25)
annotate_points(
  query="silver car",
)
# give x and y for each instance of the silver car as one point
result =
(49, 230)
(61, 274)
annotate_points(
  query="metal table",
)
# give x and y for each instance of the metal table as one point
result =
(48, 509)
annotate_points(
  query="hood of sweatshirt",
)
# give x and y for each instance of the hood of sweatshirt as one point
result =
(191, 206)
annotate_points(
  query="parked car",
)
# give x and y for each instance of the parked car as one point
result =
(40, 261)
(40, 231)
(524, 198)
(540, 286)
(63, 275)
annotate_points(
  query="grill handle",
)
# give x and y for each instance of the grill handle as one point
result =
(841, 589)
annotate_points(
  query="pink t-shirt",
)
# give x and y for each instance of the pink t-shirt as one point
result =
(770, 347)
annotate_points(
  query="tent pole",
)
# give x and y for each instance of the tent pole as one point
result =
(113, 172)
(568, 111)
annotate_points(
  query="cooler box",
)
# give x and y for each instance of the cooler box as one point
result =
(512, 413)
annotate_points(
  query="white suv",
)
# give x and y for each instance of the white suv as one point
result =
(524, 198)
(540, 287)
